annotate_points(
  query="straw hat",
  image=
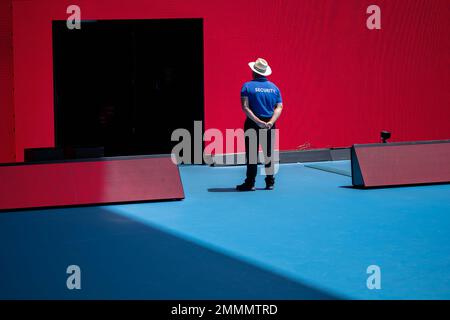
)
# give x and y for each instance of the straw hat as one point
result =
(260, 66)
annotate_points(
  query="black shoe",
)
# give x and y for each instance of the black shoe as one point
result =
(270, 186)
(245, 187)
(270, 183)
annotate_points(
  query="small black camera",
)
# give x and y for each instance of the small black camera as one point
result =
(385, 135)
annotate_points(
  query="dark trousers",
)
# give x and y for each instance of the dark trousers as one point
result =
(251, 149)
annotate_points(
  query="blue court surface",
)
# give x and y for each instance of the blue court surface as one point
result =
(313, 237)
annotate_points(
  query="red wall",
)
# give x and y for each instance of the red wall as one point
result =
(7, 147)
(341, 82)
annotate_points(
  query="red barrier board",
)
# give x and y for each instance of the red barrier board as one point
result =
(113, 180)
(401, 163)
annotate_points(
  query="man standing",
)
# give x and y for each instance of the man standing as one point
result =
(262, 104)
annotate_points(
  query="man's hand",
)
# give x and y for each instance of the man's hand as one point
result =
(269, 125)
(262, 124)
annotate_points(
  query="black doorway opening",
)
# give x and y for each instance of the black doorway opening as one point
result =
(125, 85)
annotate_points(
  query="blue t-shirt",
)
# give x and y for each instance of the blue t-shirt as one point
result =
(263, 96)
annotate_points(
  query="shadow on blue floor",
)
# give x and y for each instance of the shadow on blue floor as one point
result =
(123, 259)
(229, 189)
(222, 190)
(342, 167)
